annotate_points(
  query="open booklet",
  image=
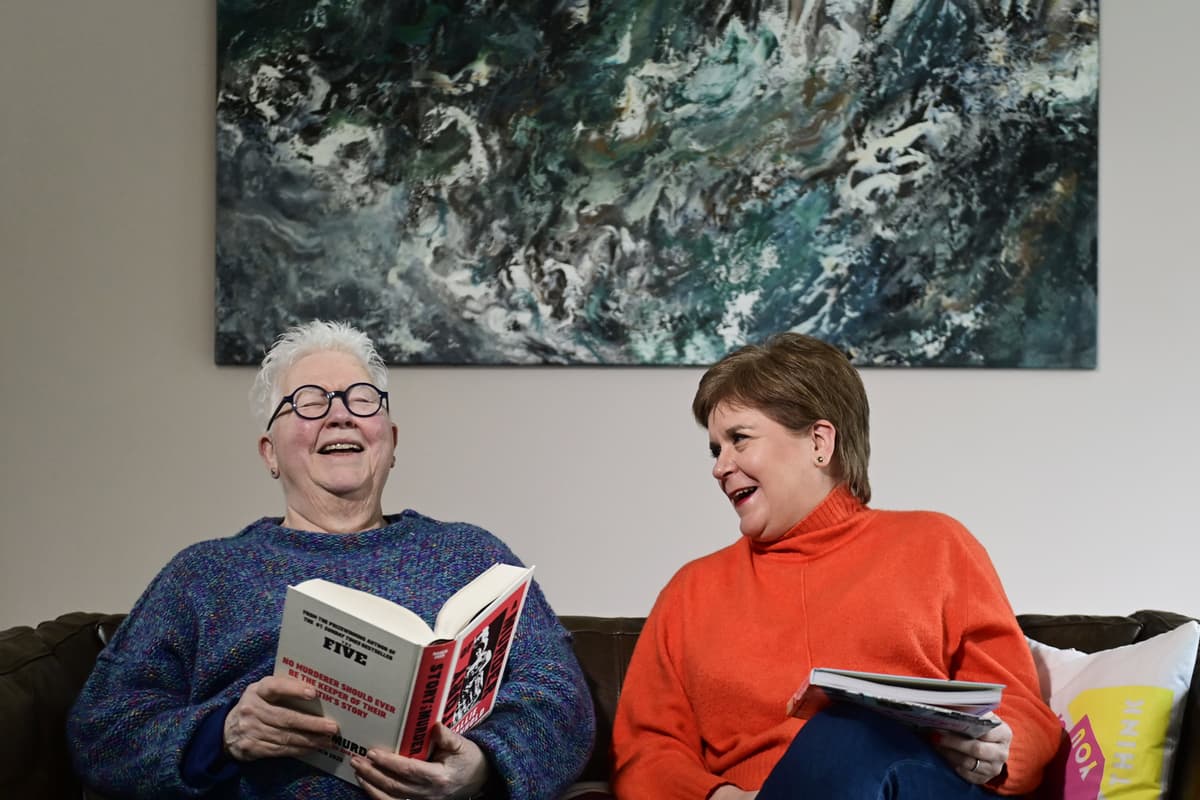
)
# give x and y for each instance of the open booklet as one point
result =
(384, 675)
(934, 703)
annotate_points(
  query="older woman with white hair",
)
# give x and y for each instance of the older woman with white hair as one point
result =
(182, 702)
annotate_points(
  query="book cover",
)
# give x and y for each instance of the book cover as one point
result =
(927, 703)
(484, 653)
(384, 675)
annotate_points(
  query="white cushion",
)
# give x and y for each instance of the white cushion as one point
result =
(1123, 709)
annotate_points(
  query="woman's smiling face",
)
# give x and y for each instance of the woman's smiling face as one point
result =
(770, 473)
(339, 456)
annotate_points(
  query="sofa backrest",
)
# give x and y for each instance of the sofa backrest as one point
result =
(604, 645)
(42, 670)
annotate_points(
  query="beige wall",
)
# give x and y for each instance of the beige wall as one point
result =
(124, 443)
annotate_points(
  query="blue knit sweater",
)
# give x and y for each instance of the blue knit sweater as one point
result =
(207, 627)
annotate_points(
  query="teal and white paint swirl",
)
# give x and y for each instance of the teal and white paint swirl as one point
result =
(657, 182)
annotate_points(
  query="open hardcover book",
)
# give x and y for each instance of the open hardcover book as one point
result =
(384, 675)
(934, 703)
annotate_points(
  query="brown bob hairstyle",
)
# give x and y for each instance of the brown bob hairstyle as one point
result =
(796, 380)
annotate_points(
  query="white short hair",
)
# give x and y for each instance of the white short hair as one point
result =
(302, 340)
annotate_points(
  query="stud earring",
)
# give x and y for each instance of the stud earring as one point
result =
(820, 459)
(275, 474)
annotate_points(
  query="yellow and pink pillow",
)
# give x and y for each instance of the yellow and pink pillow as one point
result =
(1122, 710)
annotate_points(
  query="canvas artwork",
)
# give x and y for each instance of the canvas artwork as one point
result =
(639, 182)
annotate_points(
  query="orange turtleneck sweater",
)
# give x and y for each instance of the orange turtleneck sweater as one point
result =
(735, 633)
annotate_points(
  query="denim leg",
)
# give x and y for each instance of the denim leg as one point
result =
(850, 753)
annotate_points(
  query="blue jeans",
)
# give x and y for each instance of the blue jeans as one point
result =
(849, 753)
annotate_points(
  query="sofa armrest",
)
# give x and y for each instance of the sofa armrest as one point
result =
(42, 670)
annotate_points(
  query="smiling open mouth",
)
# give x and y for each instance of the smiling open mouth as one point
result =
(742, 494)
(340, 447)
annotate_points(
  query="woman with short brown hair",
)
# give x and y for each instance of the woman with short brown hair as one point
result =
(818, 579)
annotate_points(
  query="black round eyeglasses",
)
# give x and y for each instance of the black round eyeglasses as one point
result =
(314, 402)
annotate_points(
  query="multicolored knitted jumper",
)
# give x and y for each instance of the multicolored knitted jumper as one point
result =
(207, 627)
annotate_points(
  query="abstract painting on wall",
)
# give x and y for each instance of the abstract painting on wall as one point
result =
(659, 181)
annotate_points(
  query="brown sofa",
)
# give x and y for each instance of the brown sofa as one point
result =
(43, 668)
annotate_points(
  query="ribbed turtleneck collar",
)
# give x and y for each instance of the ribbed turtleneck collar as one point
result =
(827, 526)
